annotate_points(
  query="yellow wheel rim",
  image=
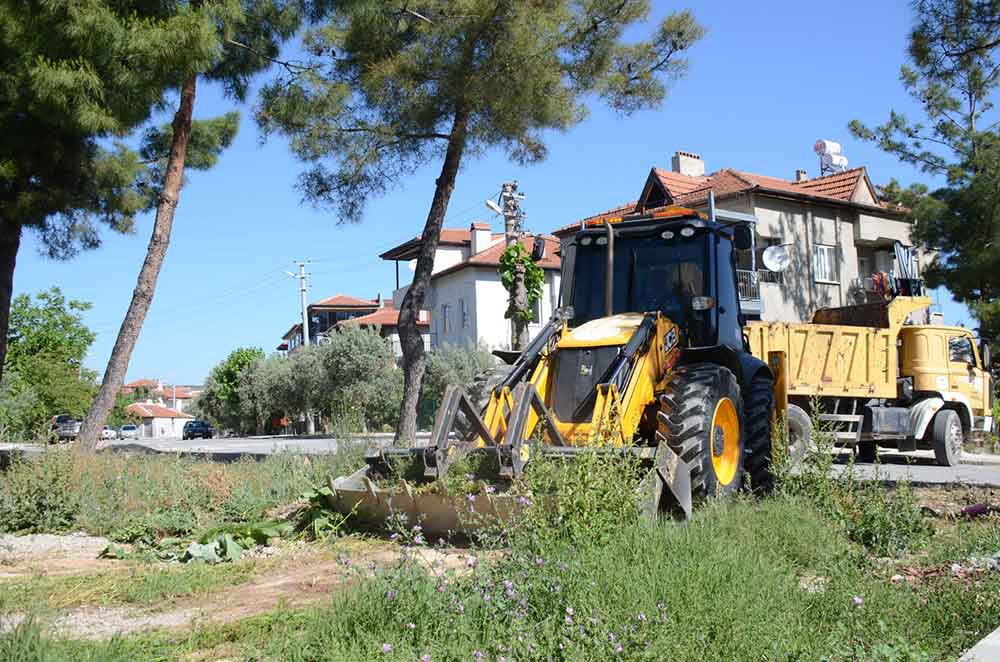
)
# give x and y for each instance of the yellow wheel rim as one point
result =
(725, 441)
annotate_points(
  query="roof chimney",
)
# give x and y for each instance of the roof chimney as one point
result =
(801, 175)
(482, 237)
(687, 163)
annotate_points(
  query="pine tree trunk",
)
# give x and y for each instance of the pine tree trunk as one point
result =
(142, 295)
(10, 241)
(410, 340)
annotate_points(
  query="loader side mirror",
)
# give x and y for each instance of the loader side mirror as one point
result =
(743, 237)
(538, 249)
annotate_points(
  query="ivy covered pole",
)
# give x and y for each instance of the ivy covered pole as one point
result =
(519, 274)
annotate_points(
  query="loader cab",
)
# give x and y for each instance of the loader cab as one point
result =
(682, 266)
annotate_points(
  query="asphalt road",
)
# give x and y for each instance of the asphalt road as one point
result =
(920, 469)
(917, 467)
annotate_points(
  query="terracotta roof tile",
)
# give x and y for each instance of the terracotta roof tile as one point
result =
(385, 316)
(491, 256)
(677, 183)
(344, 301)
(620, 210)
(147, 410)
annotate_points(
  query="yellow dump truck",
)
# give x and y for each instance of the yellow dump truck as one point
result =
(878, 380)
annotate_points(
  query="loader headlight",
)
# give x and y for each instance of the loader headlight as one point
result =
(687, 232)
(601, 241)
(586, 241)
(667, 234)
(702, 303)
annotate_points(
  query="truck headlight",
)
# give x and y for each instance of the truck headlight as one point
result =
(702, 303)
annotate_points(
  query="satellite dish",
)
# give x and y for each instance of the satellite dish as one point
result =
(412, 264)
(494, 207)
(776, 258)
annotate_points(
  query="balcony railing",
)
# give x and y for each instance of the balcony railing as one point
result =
(748, 282)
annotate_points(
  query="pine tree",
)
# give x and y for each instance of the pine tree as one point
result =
(77, 77)
(953, 75)
(392, 84)
(246, 36)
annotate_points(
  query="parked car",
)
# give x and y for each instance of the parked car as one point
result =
(129, 431)
(109, 433)
(198, 429)
(66, 427)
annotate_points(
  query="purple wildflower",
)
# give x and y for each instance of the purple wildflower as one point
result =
(411, 626)
(471, 561)
(440, 588)
(477, 656)
(386, 648)
(569, 611)
(523, 501)
(539, 561)
(417, 528)
(640, 617)
(568, 619)
(460, 608)
(508, 584)
(419, 539)
(858, 600)
(426, 657)
(390, 594)
(490, 489)
(618, 648)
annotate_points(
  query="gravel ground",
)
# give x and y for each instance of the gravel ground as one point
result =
(14, 549)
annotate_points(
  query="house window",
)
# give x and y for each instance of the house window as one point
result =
(825, 263)
(536, 311)
(464, 311)
(445, 323)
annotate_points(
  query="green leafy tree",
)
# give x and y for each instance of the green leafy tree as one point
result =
(120, 415)
(47, 342)
(953, 75)
(392, 84)
(243, 37)
(361, 377)
(518, 270)
(77, 76)
(221, 401)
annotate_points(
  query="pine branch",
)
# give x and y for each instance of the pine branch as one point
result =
(294, 68)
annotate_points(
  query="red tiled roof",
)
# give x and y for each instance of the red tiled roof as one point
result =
(344, 301)
(180, 392)
(385, 316)
(146, 410)
(142, 383)
(491, 256)
(449, 237)
(677, 183)
(295, 330)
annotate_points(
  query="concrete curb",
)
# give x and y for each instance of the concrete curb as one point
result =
(987, 650)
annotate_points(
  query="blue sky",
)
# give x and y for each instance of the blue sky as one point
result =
(766, 82)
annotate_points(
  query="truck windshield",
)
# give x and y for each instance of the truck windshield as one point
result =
(650, 274)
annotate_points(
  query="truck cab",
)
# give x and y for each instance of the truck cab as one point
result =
(944, 362)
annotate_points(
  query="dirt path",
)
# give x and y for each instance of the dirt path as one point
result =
(45, 554)
(304, 578)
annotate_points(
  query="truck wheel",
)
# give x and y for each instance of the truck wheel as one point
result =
(948, 438)
(701, 418)
(799, 431)
(758, 406)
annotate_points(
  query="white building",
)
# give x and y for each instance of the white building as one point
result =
(159, 421)
(466, 299)
(836, 229)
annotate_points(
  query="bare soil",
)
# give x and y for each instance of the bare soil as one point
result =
(296, 577)
(53, 555)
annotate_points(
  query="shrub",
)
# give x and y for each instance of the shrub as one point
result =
(39, 494)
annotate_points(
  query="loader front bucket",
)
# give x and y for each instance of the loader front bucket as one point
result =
(438, 513)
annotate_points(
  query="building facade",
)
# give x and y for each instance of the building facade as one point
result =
(466, 299)
(839, 235)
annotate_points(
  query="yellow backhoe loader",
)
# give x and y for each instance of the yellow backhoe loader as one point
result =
(647, 356)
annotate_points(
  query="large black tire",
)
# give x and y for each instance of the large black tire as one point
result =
(758, 406)
(692, 410)
(948, 438)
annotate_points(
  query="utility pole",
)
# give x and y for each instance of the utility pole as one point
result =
(513, 218)
(310, 423)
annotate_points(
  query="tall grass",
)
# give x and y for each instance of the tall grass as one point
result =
(133, 497)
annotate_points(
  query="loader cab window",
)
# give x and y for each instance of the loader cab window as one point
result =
(649, 274)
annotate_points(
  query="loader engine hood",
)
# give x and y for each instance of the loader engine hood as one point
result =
(603, 332)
